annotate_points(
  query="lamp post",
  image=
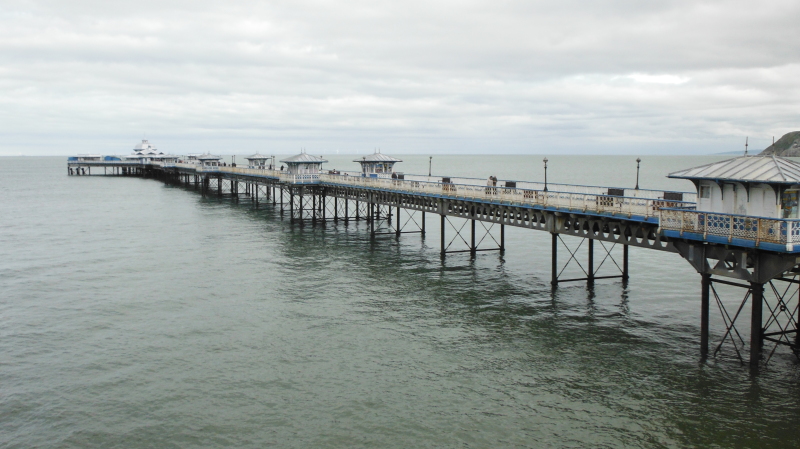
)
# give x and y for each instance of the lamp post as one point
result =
(430, 161)
(638, 160)
(545, 174)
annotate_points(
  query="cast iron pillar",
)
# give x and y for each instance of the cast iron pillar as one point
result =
(554, 259)
(756, 332)
(443, 247)
(624, 264)
(705, 286)
(397, 228)
(590, 271)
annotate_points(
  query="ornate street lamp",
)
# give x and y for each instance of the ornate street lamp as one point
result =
(638, 160)
(430, 161)
(545, 174)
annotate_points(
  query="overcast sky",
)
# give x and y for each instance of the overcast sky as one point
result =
(626, 76)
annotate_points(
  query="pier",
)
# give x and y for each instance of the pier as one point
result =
(756, 251)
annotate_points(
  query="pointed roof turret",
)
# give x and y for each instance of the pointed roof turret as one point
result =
(303, 158)
(378, 157)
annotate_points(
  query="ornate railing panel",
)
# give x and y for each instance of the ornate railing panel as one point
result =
(758, 229)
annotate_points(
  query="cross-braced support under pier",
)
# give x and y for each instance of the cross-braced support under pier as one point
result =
(473, 245)
(778, 301)
(590, 272)
(401, 221)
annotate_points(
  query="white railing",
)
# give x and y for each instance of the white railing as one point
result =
(114, 163)
(553, 199)
(263, 172)
(758, 229)
(589, 190)
(305, 178)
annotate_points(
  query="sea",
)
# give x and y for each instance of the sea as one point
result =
(138, 314)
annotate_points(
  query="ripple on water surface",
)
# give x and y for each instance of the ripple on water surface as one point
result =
(135, 314)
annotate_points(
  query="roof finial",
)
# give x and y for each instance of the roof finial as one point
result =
(745, 145)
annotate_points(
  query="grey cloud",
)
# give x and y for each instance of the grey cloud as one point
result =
(511, 76)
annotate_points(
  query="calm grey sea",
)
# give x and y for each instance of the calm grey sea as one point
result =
(136, 314)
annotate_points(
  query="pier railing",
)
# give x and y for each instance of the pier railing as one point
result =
(732, 227)
(283, 176)
(690, 197)
(583, 202)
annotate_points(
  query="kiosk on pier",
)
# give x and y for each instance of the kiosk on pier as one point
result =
(302, 168)
(259, 161)
(209, 161)
(377, 165)
(303, 164)
(758, 186)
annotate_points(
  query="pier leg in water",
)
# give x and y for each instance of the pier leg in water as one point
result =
(554, 259)
(291, 207)
(472, 248)
(397, 228)
(590, 270)
(372, 220)
(705, 286)
(625, 276)
(502, 238)
(423, 224)
(756, 332)
(443, 243)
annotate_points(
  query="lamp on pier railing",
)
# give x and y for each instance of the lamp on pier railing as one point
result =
(638, 160)
(430, 161)
(545, 174)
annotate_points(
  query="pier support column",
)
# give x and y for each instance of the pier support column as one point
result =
(423, 223)
(705, 286)
(256, 195)
(554, 259)
(281, 189)
(313, 207)
(472, 248)
(756, 332)
(335, 209)
(590, 270)
(443, 243)
(372, 220)
(397, 228)
(502, 238)
(291, 207)
(625, 276)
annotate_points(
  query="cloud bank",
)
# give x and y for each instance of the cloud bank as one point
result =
(409, 77)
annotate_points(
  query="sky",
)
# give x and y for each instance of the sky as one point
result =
(425, 77)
